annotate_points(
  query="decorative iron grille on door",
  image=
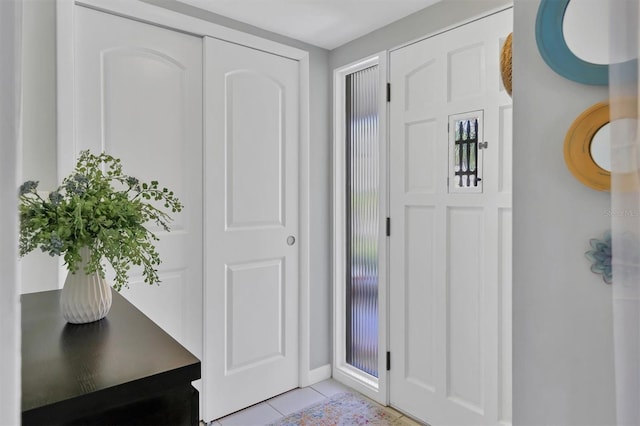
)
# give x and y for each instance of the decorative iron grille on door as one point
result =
(465, 152)
(362, 220)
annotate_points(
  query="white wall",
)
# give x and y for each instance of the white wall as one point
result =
(39, 270)
(562, 325)
(9, 171)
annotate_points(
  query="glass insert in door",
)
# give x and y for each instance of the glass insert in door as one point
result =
(362, 224)
(465, 152)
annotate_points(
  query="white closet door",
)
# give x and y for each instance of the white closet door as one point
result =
(251, 296)
(450, 245)
(138, 93)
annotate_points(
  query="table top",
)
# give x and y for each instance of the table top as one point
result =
(81, 364)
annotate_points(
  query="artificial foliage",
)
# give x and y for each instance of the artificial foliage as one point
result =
(100, 207)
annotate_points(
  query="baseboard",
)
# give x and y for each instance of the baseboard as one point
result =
(361, 382)
(317, 375)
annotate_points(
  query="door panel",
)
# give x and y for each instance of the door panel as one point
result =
(449, 280)
(254, 289)
(505, 315)
(420, 156)
(466, 72)
(251, 296)
(464, 306)
(419, 297)
(253, 183)
(506, 152)
(139, 98)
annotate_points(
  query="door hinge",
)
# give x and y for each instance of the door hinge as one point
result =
(388, 361)
(388, 92)
(388, 227)
(483, 145)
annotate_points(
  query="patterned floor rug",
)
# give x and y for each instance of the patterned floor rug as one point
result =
(343, 409)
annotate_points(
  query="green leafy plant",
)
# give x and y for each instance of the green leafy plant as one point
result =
(100, 207)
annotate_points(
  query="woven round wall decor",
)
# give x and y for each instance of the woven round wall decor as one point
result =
(505, 63)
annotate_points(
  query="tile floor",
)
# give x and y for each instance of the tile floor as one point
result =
(292, 401)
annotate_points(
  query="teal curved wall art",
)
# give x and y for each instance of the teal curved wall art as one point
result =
(554, 49)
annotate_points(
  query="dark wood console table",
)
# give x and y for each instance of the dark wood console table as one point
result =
(121, 370)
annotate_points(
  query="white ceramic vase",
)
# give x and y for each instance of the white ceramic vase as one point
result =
(85, 297)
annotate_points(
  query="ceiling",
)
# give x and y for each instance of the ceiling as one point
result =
(324, 23)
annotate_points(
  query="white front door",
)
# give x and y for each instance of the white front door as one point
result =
(251, 296)
(138, 93)
(450, 244)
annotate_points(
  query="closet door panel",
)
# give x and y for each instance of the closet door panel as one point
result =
(251, 320)
(138, 97)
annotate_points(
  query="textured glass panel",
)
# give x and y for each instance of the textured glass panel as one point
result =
(464, 158)
(362, 220)
(472, 160)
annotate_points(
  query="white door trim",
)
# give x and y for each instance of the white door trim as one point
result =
(155, 15)
(374, 388)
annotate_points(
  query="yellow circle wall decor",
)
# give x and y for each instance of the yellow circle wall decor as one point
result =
(577, 147)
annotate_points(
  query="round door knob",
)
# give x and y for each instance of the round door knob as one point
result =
(291, 240)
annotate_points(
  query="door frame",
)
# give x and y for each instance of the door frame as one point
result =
(344, 373)
(500, 309)
(147, 13)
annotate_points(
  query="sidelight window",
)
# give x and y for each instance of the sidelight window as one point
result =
(362, 219)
